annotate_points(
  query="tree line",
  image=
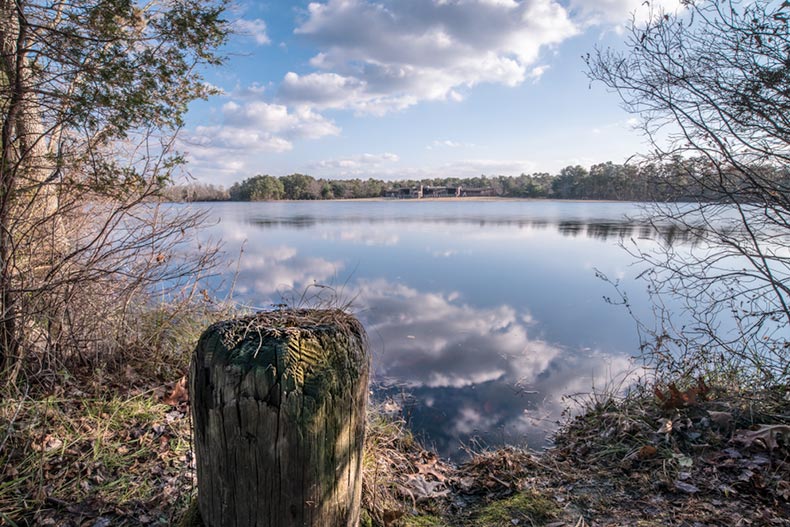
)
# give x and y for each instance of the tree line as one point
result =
(675, 180)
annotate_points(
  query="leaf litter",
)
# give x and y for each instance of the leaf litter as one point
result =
(693, 456)
(92, 456)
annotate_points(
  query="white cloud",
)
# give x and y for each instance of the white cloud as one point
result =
(322, 90)
(226, 151)
(381, 57)
(251, 127)
(361, 161)
(300, 122)
(537, 72)
(619, 12)
(252, 91)
(608, 128)
(381, 166)
(448, 143)
(213, 162)
(255, 29)
(489, 167)
(360, 165)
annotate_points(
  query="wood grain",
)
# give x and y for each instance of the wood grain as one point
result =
(278, 402)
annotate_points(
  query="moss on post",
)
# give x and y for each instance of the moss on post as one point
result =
(278, 402)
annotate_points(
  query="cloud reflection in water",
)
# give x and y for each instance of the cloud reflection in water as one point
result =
(266, 271)
(462, 372)
(431, 339)
(469, 345)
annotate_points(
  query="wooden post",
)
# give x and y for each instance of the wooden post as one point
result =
(278, 402)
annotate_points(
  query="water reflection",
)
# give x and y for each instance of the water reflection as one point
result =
(431, 339)
(500, 412)
(462, 374)
(481, 316)
(267, 268)
(602, 230)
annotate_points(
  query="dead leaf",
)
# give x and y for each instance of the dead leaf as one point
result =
(721, 420)
(783, 489)
(746, 475)
(688, 488)
(666, 427)
(173, 416)
(674, 398)
(646, 452)
(727, 490)
(765, 435)
(180, 393)
(684, 461)
(51, 443)
(431, 468)
(424, 489)
(466, 483)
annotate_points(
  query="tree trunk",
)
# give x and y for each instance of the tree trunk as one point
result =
(278, 402)
(32, 234)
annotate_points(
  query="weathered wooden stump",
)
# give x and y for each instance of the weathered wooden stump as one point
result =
(278, 402)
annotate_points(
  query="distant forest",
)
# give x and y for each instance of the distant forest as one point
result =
(675, 181)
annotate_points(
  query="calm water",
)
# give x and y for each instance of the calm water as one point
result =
(481, 315)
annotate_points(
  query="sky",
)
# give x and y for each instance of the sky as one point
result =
(397, 89)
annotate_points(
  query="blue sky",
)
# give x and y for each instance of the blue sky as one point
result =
(398, 89)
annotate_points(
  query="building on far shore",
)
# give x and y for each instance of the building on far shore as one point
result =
(424, 191)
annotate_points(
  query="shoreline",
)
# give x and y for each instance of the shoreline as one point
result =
(641, 460)
(476, 199)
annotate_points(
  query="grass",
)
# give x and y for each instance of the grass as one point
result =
(427, 520)
(95, 441)
(118, 455)
(525, 508)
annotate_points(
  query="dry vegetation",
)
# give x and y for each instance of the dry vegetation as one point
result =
(684, 456)
(112, 447)
(106, 442)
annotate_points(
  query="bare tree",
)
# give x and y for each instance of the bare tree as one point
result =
(712, 85)
(93, 93)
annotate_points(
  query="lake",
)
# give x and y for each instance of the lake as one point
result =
(482, 315)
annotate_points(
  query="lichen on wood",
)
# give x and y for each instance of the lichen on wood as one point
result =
(278, 401)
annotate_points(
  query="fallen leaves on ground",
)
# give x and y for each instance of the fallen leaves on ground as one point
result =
(94, 459)
(179, 396)
(77, 459)
(766, 436)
